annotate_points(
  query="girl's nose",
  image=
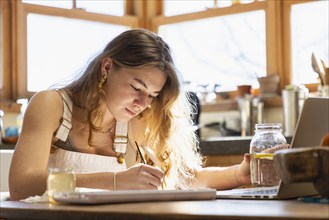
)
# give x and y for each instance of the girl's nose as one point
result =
(141, 101)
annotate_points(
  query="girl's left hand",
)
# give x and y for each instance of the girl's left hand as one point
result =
(243, 171)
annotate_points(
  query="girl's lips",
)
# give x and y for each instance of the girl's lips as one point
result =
(130, 112)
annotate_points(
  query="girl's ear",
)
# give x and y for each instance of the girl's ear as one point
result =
(107, 64)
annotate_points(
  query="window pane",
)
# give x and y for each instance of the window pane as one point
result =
(113, 7)
(227, 50)
(176, 7)
(186, 6)
(309, 33)
(1, 83)
(52, 3)
(59, 47)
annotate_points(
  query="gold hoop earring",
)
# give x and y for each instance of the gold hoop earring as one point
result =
(102, 81)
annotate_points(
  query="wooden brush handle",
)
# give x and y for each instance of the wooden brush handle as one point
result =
(325, 140)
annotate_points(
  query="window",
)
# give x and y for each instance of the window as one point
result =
(58, 47)
(68, 4)
(188, 6)
(1, 66)
(62, 37)
(235, 41)
(309, 33)
(5, 86)
(225, 44)
(227, 50)
(113, 7)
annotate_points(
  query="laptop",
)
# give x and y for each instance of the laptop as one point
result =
(94, 196)
(312, 125)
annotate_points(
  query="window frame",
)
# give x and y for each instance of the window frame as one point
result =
(273, 64)
(286, 36)
(5, 51)
(278, 35)
(20, 35)
(139, 14)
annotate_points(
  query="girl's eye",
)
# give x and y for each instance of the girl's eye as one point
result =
(137, 90)
(134, 88)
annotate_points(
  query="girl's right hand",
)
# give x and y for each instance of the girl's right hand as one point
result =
(139, 176)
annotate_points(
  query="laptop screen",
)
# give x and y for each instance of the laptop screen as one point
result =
(313, 123)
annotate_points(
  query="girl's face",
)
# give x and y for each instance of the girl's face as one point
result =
(130, 91)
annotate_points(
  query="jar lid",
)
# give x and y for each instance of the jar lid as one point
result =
(268, 126)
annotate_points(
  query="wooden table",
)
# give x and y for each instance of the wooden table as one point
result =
(210, 209)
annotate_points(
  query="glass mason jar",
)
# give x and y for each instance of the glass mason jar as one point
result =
(60, 180)
(267, 139)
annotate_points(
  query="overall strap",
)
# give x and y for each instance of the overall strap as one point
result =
(66, 125)
(121, 139)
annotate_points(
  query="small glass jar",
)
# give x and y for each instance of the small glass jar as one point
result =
(268, 138)
(60, 180)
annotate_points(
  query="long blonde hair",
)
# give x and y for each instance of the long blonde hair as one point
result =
(169, 127)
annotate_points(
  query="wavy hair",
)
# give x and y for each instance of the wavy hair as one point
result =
(169, 127)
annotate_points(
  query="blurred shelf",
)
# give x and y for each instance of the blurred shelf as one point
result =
(231, 104)
(4, 146)
(9, 106)
(236, 145)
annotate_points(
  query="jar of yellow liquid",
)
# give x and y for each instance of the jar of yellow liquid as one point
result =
(268, 138)
(60, 180)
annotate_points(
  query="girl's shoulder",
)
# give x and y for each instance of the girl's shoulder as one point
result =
(50, 95)
(47, 100)
(44, 111)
